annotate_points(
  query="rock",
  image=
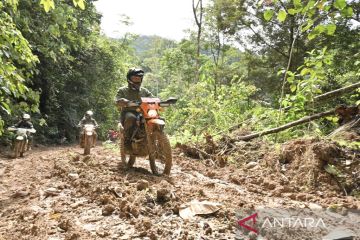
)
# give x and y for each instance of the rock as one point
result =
(51, 192)
(163, 195)
(152, 236)
(142, 184)
(314, 206)
(340, 234)
(146, 223)
(87, 158)
(20, 193)
(289, 195)
(108, 210)
(251, 165)
(303, 197)
(72, 236)
(135, 211)
(143, 234)
(207, 229)
(269, 185)
(210, 174)
(101, 232)
(73, 176)
(65, 224)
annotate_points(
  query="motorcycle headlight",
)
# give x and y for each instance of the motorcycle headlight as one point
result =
(152, 113)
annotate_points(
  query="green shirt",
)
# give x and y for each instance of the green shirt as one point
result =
(132, 95)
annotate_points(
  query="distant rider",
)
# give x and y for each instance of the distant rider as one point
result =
(26, 123)
(87, 119)
(131, 92)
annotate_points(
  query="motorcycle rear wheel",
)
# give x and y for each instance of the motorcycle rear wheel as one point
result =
(161, 156)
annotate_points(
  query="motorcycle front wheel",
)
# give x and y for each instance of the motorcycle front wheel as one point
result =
(17, 148)
(88, 144)
(160, 156)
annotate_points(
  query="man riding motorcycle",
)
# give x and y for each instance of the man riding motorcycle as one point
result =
(26, 123)
(87, 119)
(132, 92)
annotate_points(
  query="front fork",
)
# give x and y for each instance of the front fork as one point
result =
(151, 148)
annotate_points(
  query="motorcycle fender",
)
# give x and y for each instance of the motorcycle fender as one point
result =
(156, 121)
(20, 138)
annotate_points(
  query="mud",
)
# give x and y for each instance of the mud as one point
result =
(57, 193)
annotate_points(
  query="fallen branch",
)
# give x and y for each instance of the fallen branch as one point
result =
(337, 92)
(286, 126)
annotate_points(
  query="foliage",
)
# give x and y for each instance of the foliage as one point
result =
(17, 64)
(55, 63)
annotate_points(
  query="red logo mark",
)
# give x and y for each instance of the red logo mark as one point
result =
(242, 222)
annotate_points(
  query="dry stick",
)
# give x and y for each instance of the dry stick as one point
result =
(286, 126)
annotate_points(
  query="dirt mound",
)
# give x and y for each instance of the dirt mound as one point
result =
(320, 165)
(302, 169)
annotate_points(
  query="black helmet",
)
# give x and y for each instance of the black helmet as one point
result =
(134, 72)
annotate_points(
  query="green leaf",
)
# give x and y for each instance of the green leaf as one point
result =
(293, 11)
(281, 15)
(290, 79)
(81, 4)
(330, 29)
(293, 88)
(340, 4)
(268, 14)
(304, 71)
(297, 3)
(47, 4)
(347, 12)
(310, 23)
(312, 35)
(5, 107)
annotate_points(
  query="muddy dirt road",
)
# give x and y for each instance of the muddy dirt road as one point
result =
(57, 193)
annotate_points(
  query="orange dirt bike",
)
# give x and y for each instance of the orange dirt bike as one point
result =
(21, 141)
(148, 137)
(88, 137)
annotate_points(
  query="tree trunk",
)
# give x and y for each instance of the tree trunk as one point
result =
(198, 14)
(286, 126)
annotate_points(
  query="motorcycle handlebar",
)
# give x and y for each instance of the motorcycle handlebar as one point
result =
(163, 103)
(31, 130)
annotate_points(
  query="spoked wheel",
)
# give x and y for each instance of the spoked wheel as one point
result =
(160, 158)
(127, 161)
